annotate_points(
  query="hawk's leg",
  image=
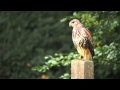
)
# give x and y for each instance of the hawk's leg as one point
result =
(80, 57)
(87, 55)
(80, 51)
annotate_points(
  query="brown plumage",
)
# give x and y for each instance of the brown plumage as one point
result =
(82, 40)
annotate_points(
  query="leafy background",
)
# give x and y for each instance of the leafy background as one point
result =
(38, 44)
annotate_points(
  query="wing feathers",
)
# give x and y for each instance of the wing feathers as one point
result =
(82, 36)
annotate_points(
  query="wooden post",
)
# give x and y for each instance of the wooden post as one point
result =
(82, 69)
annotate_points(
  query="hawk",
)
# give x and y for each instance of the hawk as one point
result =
(82, 40)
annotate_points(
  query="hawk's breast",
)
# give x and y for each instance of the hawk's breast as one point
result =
(79, 39)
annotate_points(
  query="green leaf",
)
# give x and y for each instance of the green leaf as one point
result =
(63, 20)
(74, 14)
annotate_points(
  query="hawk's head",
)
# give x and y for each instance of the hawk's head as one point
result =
(73, 23)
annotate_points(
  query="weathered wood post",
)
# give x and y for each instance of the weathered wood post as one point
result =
(82, 69)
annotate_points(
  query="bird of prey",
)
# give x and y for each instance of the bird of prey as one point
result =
(82, 40)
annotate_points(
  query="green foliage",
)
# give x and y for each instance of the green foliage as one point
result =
(107, 58)
(26, 37)
(104, 26)
(58, 60)
(65, 76)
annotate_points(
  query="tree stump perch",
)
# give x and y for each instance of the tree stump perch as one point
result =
(82, 69)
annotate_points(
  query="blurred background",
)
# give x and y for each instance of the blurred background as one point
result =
(26, 37)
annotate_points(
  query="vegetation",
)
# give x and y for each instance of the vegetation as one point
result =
(41, 41)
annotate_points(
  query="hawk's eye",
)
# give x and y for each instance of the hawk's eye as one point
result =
(73, 22)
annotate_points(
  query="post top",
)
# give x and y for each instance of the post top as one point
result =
(77, 60)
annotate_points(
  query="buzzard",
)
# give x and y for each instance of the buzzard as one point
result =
(82, 40)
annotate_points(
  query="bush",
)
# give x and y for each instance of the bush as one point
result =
(26, 37)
